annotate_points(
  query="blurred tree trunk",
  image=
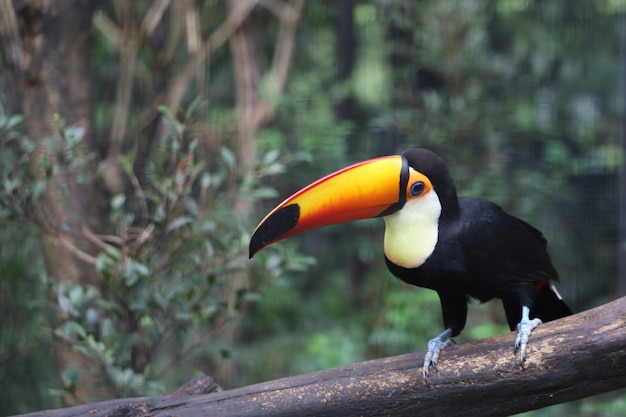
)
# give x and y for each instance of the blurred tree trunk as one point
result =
(247, 75)
(253, 109)
(51, 67)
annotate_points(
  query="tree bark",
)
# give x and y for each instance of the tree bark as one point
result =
(54, 79)
(247, 77)
(572, 358)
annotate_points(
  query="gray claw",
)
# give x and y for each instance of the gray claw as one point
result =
(434, 348)
(524, 328)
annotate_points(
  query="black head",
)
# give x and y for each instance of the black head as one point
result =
(433, 166)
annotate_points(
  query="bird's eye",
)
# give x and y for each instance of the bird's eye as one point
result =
(417, 188)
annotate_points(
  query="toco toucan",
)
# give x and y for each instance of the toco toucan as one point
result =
(460, 247)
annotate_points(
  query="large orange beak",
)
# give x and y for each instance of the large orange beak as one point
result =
(372, 188)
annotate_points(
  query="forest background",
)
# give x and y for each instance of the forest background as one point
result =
(142, 141)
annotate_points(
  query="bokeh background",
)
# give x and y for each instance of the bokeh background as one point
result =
(144, 140)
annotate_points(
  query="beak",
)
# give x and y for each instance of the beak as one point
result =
(372, 188)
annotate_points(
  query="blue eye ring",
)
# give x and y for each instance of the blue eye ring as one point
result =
(417, 188)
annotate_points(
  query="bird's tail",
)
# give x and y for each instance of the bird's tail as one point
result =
(549, 304)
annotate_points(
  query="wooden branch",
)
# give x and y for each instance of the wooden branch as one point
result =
(571, 358)
(153, 16)
(173, 93)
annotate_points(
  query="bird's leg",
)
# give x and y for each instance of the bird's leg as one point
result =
(434, 347)
(524, 327)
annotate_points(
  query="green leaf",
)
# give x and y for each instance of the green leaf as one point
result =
(39, 187)
(101, 262)
(113, 253)
(205, 180)
(134, 271)
(191, 109)
(12, 184)
(178, 223)
(118, 201)
(76, 294)
(73, 135)
(264, 192)
(70, 377)
(127, 161)
(228, 157)
(271, 156)
(73, 327)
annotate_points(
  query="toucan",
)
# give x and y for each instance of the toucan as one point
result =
(461, 247)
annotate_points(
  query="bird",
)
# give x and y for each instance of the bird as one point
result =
(461, 247)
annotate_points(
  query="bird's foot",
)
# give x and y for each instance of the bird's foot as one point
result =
(434, 347)
(524, 328)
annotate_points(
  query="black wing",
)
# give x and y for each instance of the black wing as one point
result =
(501, 247)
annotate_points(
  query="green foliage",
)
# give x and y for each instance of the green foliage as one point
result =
(26, 354)
(326, 350)
(174, 275)
(519, 96)
(407, 317)
(17, 183)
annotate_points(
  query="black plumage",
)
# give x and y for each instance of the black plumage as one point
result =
(482, 252)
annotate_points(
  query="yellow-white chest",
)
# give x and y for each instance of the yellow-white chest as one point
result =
(411, 233)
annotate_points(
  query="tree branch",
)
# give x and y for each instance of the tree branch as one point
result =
(572, 358)
(172, 95)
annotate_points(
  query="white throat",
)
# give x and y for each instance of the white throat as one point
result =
(412, 232)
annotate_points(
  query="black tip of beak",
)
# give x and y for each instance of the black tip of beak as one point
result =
(275, 226)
